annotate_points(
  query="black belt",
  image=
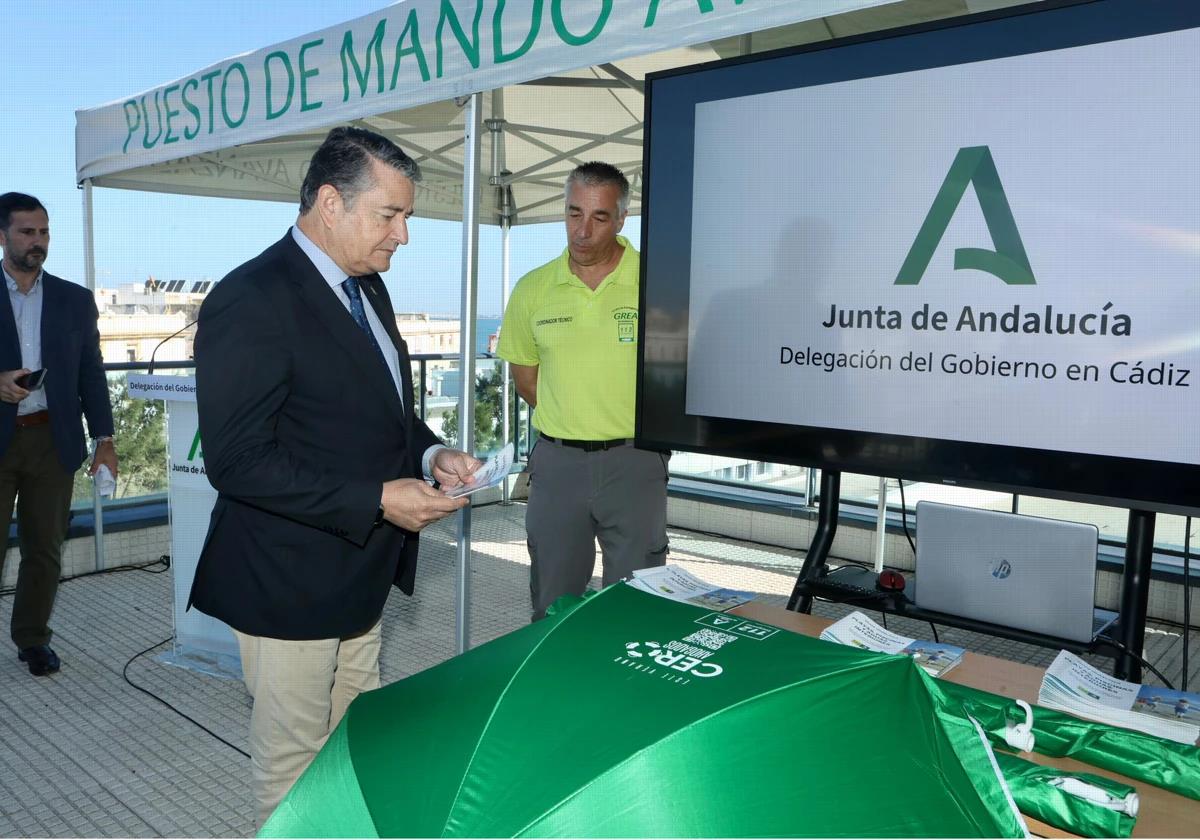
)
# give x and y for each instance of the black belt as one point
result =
(590, 445)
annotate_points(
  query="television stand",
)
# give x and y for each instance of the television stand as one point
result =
(856, 587)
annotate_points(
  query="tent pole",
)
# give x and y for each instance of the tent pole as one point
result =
(495, 126)
(466, 396)
(506, 382)
(89, 274)
(881, 525)
(89, 241)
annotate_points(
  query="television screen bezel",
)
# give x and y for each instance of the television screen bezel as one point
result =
(662, 421)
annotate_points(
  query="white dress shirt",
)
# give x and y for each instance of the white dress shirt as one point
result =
(334, 276)
(27, 312)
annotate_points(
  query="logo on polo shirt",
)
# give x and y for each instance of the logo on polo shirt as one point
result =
(626, 318)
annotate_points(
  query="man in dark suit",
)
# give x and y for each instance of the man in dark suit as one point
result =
(306, 416)
(45, 323)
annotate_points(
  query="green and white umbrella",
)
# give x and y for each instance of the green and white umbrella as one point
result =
(629, 715)
(1156, 761)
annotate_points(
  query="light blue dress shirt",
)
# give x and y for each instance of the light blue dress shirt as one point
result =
(334, 276)
(27, 312)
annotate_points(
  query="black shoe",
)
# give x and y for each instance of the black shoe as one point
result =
(42, 660)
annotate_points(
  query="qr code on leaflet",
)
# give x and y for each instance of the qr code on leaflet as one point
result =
(711, 639)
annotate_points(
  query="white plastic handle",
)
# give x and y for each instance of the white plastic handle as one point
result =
(1019, 736)
(1099, 796)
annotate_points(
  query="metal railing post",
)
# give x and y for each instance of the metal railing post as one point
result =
(98, 525)
(423, 369)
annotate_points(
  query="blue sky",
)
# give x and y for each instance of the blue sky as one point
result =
(63, 56)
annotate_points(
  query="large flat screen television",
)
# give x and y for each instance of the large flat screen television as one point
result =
(966, 253)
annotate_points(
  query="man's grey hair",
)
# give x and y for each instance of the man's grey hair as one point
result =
(596, 174)
(344, 162)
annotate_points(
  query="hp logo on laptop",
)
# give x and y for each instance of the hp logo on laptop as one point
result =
(1001, 568)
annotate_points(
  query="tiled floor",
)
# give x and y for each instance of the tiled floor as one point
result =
(84, 754)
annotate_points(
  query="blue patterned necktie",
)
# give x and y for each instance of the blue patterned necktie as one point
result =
(359, 314)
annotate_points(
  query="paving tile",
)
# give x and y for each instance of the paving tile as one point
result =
(123, 765)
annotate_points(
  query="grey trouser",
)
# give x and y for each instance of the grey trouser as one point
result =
(617, 496)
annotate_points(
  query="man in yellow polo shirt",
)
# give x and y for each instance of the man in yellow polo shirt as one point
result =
(570, 336)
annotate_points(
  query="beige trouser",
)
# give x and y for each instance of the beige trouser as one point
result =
(301, 690)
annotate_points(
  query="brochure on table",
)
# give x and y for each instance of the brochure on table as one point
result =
(678, 584)
(859, 631)
(1072, 685)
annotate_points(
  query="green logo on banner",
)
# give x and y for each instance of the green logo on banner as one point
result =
(195, 451)
(972, 165)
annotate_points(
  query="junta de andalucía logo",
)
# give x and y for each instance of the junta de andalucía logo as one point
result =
(973, 165)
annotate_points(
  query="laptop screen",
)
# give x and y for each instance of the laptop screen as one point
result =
(1013, 570)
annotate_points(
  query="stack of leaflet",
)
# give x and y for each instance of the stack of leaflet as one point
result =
(678, 584)
(1071, 685)
(859, 631)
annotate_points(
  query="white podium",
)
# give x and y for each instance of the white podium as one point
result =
(201, 642)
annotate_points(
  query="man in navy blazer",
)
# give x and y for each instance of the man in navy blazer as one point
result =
(305, 398)
(49, 324)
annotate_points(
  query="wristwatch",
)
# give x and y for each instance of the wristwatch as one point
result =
(100, 439)
(379, 517)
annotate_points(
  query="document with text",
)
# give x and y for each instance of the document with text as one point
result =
(493, 471)
(678, 584)
(859, 631)
(1072, 685)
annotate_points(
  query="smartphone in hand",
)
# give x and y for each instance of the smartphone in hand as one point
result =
(32, 380)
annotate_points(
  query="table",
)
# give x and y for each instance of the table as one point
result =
(1162, 813)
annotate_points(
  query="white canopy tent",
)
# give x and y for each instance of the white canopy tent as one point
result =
(563, 82)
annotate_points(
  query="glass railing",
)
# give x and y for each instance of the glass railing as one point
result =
(140, 427)
(437, 381)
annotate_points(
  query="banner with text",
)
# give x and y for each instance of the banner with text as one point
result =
(409, 54)
(201, 641)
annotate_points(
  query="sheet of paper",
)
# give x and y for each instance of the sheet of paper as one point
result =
(861, 632)
(493, 471)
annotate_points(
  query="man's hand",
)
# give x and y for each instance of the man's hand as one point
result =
(412, 504)
(106, 454)
(453, 468)
(10, 391)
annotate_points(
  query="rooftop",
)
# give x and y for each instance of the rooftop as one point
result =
(87, 754)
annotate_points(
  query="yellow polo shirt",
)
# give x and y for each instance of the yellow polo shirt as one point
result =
(584, 344)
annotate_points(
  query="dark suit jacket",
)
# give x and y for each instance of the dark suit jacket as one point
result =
(75, 382)
(300, 425)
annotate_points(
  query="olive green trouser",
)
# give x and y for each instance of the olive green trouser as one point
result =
(33, 477)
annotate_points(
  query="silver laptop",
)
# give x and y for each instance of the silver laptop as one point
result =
(1017, 571)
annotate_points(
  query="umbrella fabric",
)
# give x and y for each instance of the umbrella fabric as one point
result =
(1157, 761)
(630, 715)
(1036, 797)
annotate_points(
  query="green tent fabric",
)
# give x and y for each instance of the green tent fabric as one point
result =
(629, 715)
(1033, 789)
(1157, 761)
